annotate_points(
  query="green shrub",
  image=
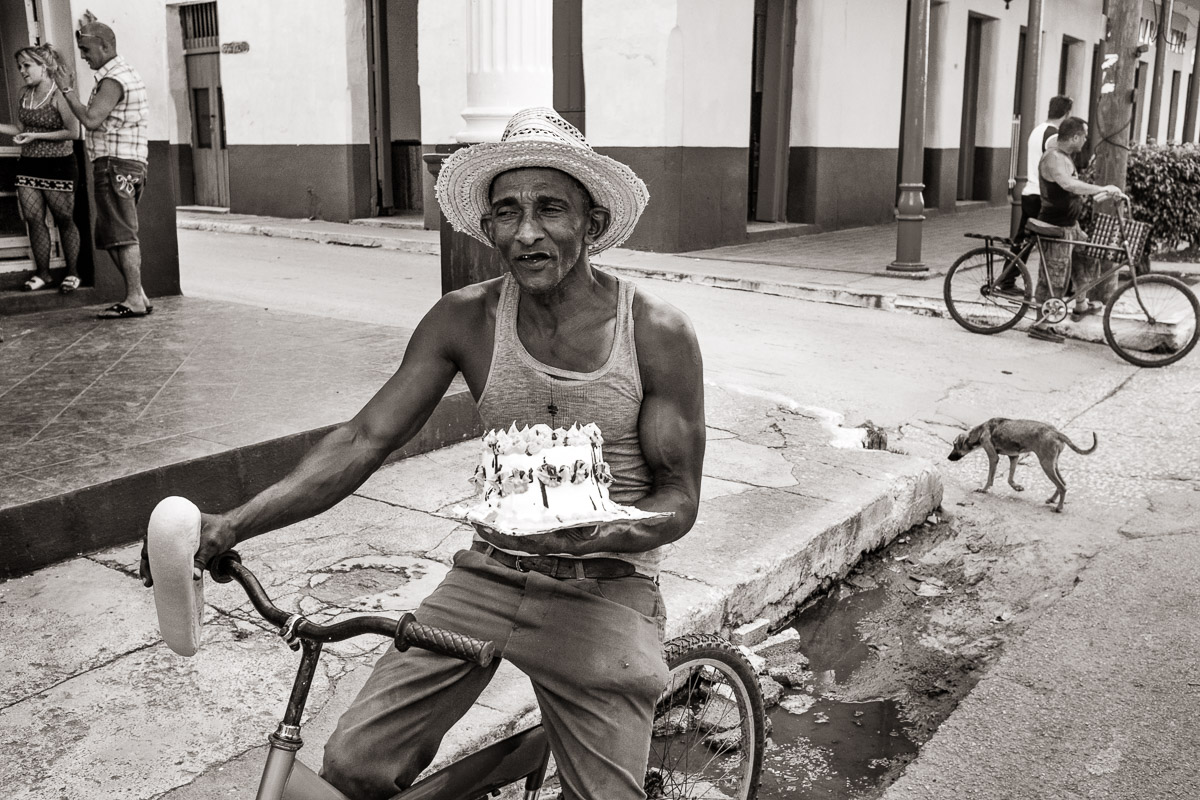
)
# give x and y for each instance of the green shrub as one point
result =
(1163, 181)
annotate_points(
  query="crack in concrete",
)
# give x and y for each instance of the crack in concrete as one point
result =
(857, 472)
(684, 577)
(389, 503)
(93, 668)
(751, 485)
(1108, 396)
(128, 572)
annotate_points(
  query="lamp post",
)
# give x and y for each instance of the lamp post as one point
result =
(910, 209)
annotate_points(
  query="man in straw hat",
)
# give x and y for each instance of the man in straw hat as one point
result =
(554, 341)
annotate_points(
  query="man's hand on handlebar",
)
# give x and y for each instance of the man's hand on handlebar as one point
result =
(216, 537)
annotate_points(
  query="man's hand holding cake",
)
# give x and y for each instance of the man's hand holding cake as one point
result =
(544, 491)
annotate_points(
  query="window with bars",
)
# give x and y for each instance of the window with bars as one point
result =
(1147, 30)
(1178, 41)
(199, 26)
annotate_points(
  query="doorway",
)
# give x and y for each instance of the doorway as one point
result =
(570, 97)
(202, 57)
(21, 25)
(770, 109)
(970, 109)
(1139, 100)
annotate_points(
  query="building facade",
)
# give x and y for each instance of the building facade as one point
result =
(741, 115)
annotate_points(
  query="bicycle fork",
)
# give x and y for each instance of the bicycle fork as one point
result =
(284, 776)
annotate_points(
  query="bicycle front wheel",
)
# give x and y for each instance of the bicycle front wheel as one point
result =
(987, 290)
(1152, 321)
(709, 724)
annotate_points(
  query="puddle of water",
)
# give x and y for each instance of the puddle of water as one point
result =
(835, 750)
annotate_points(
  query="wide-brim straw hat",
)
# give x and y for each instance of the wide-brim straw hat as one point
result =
(539, 137)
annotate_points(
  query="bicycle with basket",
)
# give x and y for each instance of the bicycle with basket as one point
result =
(1149, 320)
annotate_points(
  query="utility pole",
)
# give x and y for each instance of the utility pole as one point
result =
(1161, 37)
(1114, 116)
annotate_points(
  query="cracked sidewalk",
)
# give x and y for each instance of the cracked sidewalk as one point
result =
(117, 714)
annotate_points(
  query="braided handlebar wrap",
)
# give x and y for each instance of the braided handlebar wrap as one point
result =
(447, 643)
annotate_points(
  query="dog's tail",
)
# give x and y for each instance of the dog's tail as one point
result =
(1090, 450)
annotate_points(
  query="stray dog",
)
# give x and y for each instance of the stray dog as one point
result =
(1012, 437)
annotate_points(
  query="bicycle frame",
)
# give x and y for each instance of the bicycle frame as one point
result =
(522, 755)
(1123, 250)
(1081, 291)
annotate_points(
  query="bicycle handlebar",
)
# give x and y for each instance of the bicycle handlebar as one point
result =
(406, 631)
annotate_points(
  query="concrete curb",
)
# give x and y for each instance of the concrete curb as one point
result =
(816, 293)
(113, 513)
(322, 233)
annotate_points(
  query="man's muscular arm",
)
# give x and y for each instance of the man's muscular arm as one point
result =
(93, 114)
(1059, 171)
(347, 455)
(672, 433)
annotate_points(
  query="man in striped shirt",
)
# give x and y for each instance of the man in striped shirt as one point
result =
(116, 117)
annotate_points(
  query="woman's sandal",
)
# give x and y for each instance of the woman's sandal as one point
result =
(35, 283)
(69, 284)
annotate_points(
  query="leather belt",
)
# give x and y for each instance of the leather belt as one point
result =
(558, 566)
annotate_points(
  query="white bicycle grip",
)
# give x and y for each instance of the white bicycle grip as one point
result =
(173, 536)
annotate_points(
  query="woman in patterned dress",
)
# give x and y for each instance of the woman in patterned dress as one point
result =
(46, 170)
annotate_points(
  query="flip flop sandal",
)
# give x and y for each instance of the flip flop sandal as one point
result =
(119, 311)
(1045, 336)
(34, 283)
(1092, 308)
(69, 284)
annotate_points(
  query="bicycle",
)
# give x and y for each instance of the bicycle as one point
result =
(709, 723)
(1150, 320)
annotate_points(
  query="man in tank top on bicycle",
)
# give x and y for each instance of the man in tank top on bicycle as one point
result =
(553, 341)
(1062, 205)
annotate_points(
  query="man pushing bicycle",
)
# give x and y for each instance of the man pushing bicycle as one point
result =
(1062, 205)
(553, 341)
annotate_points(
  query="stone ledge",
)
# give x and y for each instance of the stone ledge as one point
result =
(114, 512)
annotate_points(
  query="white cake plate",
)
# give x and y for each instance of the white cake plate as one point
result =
(476, 514)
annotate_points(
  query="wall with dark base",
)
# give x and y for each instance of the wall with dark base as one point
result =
(156, 232)
(313, 181)
(697, 196)
(185, 177)
(842, 187)
(941, 178)
(991, 174)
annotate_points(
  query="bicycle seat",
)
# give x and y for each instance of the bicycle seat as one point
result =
(1036, 226)
(172, 537)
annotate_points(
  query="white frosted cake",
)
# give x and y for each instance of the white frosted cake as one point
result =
(540, 478)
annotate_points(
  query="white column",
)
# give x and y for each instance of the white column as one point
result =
(510, 52)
